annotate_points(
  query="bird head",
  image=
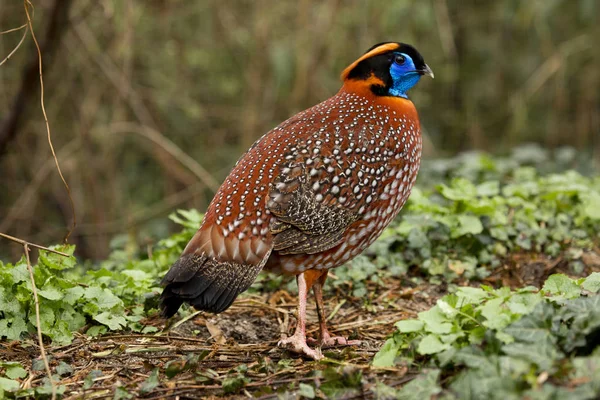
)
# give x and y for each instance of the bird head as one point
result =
(387, 69)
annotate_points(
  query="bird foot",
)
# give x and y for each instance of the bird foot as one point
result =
(333, 341)
(297, 344)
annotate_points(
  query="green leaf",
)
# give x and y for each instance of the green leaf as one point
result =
(96, 330)
(431, 344)
(114, 322)
(73, 294)
(467, 224)
(409, 325)
(435, 321)
(544, 354)
(306, 391)
(56, 261)
(8, 303)
(88, 382)
(19, 272)
(51, 293)
(460, 190)
(64, 369)
(233, 384)
(446, 308)
(523, 303)
(471, 295)
(561, 286)
(591, 206)
(103, 299)
(592, 283)
(14, 370)
(424, 386)
(121, 393)
(387, 354)
(8, 385)
(137, 275)
(488, 189)
(496, 315)
(13, 329)
(535, 327)
(150, 383)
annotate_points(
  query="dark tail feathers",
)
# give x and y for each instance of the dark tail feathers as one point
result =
(205, 283)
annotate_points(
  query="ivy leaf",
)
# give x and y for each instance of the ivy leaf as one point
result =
(151, 382)
(542, 353)
(431, 344)
(8, 385)
(387, 354)
(16, 328)
(561, 286)
(8, 303)
(591, 206)
(409, 325)
(306, 391)
(435, 321)
(64, 369)
(88, 382)
(103, 299)
(14, 370)
(425, 386)
(56, 261)
(471, 295)
(234, 383)
(114, 322)
(591, 283)
(96, 330)
(446, 308)
(467, 224)
(73, 294)
(51, 293)
(495, 314)
(488, 189)
(122, 393)
(19, 272)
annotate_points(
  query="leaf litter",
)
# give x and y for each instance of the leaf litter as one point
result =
(234, 354)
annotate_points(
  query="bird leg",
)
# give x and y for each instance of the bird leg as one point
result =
(325, 338)
(297, 342)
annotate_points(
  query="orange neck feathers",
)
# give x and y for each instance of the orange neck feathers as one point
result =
(363, 89)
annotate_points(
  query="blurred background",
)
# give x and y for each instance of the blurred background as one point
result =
(151, 102)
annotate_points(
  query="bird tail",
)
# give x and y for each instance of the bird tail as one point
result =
(205, 283)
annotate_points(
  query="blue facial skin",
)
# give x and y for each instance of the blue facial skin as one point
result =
(404, 75)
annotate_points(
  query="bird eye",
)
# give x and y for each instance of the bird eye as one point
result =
(399, 59)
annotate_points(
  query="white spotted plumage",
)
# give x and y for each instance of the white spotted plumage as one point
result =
(345, 144)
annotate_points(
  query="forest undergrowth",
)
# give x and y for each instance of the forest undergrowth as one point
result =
(485, 286)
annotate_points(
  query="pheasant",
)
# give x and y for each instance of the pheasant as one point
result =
(311, 194)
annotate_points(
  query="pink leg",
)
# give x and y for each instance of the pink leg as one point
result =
(297, 342)
(325, 339)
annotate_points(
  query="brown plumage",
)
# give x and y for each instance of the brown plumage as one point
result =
(311, 194)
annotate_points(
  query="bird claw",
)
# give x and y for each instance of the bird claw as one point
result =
(298, 345)
(333, 341)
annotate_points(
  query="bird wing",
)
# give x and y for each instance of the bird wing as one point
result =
(305, 221)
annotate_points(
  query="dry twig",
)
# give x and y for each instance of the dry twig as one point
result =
(37, 246)
(18, 44)
(27, 3)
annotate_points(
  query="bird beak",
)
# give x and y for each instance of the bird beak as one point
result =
(427, 71)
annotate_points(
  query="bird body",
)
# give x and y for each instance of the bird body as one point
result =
(309, 195)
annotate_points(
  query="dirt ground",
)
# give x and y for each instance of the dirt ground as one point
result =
(205, 352)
